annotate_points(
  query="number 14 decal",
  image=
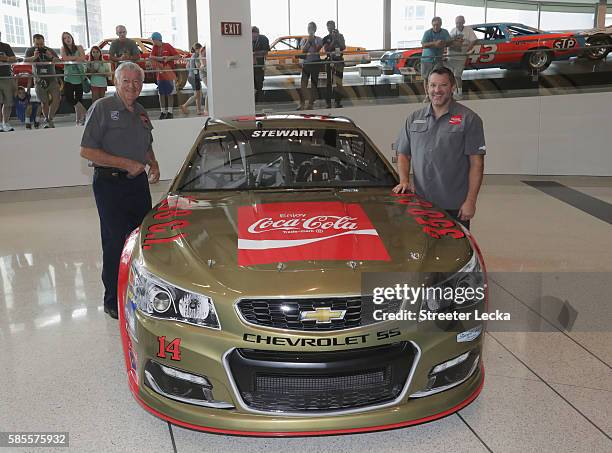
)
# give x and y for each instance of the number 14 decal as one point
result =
(483, 53)
(173, 348)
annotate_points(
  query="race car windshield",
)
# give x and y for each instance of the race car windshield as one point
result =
(284, 159)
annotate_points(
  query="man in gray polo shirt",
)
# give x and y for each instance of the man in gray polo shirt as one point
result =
(118, 140)
(444, 143)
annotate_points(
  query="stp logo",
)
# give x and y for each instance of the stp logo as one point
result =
(281, 232)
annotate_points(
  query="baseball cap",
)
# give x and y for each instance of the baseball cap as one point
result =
(156, 36)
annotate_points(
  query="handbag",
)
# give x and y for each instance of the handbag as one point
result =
(86, 85)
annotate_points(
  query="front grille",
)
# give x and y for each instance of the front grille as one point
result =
(313, 382)
(285, 313)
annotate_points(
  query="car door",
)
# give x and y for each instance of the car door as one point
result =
(491, 48)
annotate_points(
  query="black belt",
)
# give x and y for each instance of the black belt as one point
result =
(111, 172)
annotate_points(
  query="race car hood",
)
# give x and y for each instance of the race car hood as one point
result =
(288, 231)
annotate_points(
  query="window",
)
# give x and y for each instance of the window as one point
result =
(157, 16)
(271, 17)
(105, 15)
(64, 16)
(566, 17)
(39, 28)
(350, 23)
(317, 11)
(409, 20)
(472, 10)
(37, 6)
(523, 13)
(13, 27)
(11, 3)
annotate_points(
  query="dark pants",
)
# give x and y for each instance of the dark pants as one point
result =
(122, 205)
(258, 75)
(73, 92)
(335, 72)
(310, 71)
(454, 213)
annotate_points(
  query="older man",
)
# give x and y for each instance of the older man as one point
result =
(118, 140)
(434, 41)
(123, 48)
(445, 144)
(462, 42)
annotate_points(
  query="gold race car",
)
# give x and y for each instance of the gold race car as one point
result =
(266, 293)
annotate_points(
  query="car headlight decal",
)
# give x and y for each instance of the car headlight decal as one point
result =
(156, 298)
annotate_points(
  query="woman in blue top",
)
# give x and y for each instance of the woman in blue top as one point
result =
(74, 56)
(99, 71)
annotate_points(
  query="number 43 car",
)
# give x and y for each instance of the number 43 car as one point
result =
(502, 45)
(279, 289)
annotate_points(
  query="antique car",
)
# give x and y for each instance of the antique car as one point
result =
(248, 296)
(23, 71)
(598, 42)
(500, 45)
(285, 51)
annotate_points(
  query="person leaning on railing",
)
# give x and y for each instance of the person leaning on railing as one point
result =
(311, 48)
(193, 77)
(7, 85)
(74, 73)
(99, 72)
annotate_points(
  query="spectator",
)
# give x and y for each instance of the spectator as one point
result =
(123, 48)
(45, 79)
(333, 44)
(99, 72)
(261, 47)
(74, 74)
(163, 56)
(25, 109)
(7, 85)
(463, 40)
(193, 77)
(204, 77)
(434, 41)
(311, 48)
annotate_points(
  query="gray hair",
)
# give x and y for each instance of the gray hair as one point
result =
(129, 66)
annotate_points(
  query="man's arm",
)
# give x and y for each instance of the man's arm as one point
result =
(403, 168)
(468, 208)
(104, 159)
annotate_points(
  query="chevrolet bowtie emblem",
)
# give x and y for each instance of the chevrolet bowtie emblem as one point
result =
(322, 315)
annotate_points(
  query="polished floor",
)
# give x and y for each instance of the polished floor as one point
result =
(61, 365)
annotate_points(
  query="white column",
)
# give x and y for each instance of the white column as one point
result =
(229, 60)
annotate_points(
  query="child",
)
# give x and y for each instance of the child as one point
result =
(99, 71)
(25, 109)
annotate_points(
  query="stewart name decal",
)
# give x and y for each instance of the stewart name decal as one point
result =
(281, 232)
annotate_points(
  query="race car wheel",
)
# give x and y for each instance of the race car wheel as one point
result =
(537, 60)
(599, 53)
(415, 63)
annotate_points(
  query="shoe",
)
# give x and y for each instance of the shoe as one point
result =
(309, 107)
(301, 107)
(169, 116)
(184, 110)
(36, 125)
(28, 125)
(163, 116)
(6, 127)
(51, 124)
(112, 312)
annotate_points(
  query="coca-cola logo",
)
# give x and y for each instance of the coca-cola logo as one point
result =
(299, 231)
(301, 223)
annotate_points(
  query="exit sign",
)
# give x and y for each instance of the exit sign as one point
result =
(231, 28)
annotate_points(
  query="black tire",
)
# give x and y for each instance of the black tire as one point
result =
(600, 53)
(537, 60)
(415, 62)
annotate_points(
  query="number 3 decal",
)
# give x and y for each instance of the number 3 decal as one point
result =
(483, 53)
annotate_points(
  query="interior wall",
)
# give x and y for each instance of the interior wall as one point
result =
(552, 135)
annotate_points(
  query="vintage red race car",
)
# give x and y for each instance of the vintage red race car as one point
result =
(500, 45)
